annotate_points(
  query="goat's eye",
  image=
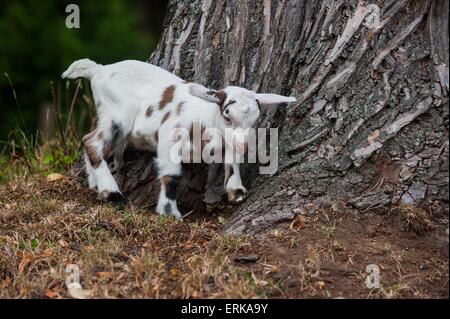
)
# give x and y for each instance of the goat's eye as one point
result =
(226, 117)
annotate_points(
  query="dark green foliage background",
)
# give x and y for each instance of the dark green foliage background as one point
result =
(36, 47)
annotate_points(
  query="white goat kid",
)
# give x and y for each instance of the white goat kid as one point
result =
(144, 105)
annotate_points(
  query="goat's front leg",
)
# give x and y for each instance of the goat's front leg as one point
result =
(233, 184)
(169, 175)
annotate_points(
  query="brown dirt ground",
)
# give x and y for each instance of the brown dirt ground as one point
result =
(45, 226)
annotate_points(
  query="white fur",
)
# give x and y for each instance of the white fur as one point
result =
(124, 91)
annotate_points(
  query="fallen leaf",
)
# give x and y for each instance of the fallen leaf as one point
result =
(55, 177)
(47, 253)
(24, 290)
(26, 260)
(321, 285)
(51, 294)
(7, 282)
(10, 206)
(270, 269)
(104, 274)
(297, 223)
(174, 272)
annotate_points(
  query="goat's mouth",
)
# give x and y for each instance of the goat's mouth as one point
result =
(227, 119)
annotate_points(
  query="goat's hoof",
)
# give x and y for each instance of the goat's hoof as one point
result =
(166, 210)
(237, 196)
(116, 199)
(176, 216)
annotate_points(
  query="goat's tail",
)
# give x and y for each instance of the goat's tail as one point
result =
(84, 68)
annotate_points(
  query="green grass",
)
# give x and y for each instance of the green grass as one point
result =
(25, 154)
(29, 155)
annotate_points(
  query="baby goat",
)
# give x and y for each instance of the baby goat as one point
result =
(146, 106)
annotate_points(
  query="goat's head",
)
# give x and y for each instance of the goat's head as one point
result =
(239, 108)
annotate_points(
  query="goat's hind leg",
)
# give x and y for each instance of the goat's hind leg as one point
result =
(89, 170)
(90, 173)
(98, 146)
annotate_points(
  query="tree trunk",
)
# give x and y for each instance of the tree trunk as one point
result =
(371, 123)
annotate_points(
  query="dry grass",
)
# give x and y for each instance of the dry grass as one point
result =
(121, 253)
(46, 226)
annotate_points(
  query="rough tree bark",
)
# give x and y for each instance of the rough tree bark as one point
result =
(371, 123)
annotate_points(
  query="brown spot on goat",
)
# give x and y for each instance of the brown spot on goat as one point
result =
(179, 108)
(220, 95)
(170, 184)
(106, 151)
(167, 96)
(89, 136)
(164, 182)
(149, 111)
(91, 152)
(156, 136)
(165, 118)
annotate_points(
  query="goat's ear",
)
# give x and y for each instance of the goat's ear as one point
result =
(273, 99)
(207, 94)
